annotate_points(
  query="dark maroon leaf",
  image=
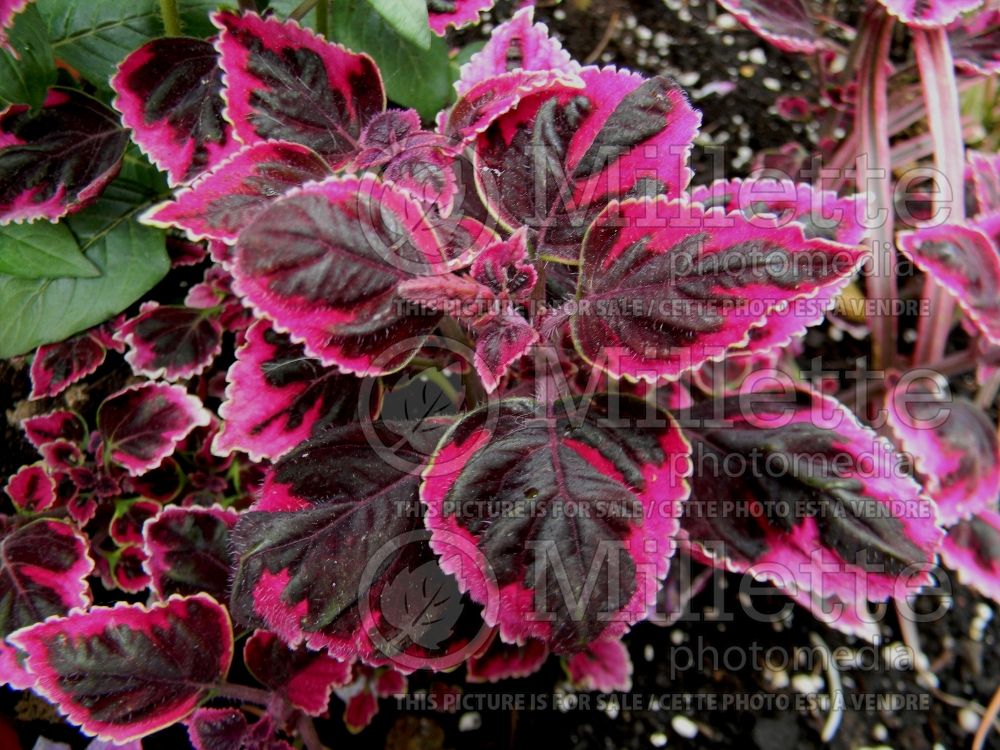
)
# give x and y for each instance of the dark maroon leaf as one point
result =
(556, 160)
(278, 397)
(43, 572)
(142, 424)
(327, 510)
(127, 671)
(787, 24)
(170, 95)
(325, 263)
(306, 678)
(56, 160)
(173, 342)
(574, 512)
(188, 551)
(285, 83)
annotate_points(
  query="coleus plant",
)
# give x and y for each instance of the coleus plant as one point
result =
(536, 253)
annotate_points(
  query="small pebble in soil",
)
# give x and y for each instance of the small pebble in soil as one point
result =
(470, 722)
(968, 720)
(984, 613)
(658, 739)
(684, 727)
(880, 733)
(649, 653)
(808, 684)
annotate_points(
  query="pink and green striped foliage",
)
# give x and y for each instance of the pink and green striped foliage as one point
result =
(56, 160)
(177, 117)
(621, 136)
(44, 567)
(962, 258)
(124, 672)
(972, 549)
(592, 503)
(975, 42)
(285, 83)
(834, 514)
(787, 24)
(325, 262)
(929, 14)
(953, 444)
(665, 286)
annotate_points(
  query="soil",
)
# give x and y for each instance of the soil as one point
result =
(962, 647)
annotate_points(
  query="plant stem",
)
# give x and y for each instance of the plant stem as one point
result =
(171, 17)
(323, 18)
(937, 72)
(242, 693)
(302, 10)
(307, 731)
(475, 393)
(873, 147)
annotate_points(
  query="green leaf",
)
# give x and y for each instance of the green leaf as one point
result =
(93, 36)
(408, 18)
(41, 250)
(131, 258)
(413, 77)
(26, 80)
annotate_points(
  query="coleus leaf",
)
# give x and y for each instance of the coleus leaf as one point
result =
(57, 425)
(31, 488)
(56, 367)
(787, 24)
(173, 342)
(283, 82)
(129, 517)
(516, 45)
(972, 549)
(555, 161)
(362, 695)
(169, 92)
(57, 159)
(574, 515)
(306, 678)
(126, 570)
(963, 260)
(665, 286)
(975, 43)
(125, 672)
(985, 170)
(821, 213)
(604, 666)
(327, 508)
(954, 447)
(416, 160)
(278, 397)
(44, 567)
(221, 203)
(227, 729)
(142, 424)
(324, 264)
(445, 14)
(503, 661)
(9, 9)
(810, 498)
(929, 14)
(187, 551)
(27, 65)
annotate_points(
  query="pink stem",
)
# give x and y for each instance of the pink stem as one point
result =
(937, 71)
(875, 160)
